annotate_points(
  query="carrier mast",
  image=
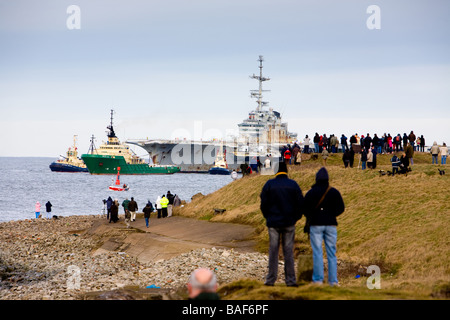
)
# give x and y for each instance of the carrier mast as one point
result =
(258, 93)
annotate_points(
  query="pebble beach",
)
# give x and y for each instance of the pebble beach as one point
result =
(38, 258)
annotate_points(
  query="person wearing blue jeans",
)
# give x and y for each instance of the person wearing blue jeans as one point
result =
(318, 235)
(322, 205)
(444, 151)
(281, 206)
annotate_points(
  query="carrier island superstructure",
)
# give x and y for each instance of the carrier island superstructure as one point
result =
(262, 134)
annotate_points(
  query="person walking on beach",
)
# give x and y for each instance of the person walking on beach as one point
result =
(132, 208)
(114, 216)
(37, 209)
(48, 209)
(322, 205)
(281, 205)
(109, 203)
(434, 153)
(444, 152)
(158, 207)
(104, 207)
(164, 203)
(147, 211)
(169, 197)
(125, 204)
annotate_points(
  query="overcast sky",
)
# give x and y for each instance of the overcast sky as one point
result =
(168, 67)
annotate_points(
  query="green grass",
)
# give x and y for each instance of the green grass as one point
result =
(399, 223)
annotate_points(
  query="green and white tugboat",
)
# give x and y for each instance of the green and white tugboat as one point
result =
(112, 155)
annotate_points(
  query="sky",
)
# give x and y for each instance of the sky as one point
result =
(172, 69)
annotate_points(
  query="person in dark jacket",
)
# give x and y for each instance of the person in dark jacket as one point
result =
(109, 202)
(132, 208)
(147, 211)
(363, 159)
(346, 158)
(422, 144)
(114, 217)
(48, 207)
(322, 205)
(170, 197)
(281, 205)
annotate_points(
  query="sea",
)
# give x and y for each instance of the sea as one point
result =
(27, 180)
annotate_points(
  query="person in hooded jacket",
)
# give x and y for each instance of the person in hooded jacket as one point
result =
(37, 209)
(48, 207)
(114, 216)
(281, 205)
(321, 207)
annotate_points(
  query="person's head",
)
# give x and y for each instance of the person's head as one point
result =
(322, 177)
(132, 198)
(444, 144)
(201, 280)
(282, 167)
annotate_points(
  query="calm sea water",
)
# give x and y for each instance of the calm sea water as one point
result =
(27, 180)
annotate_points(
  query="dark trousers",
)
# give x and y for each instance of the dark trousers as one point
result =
(159, 213)
(164, 212)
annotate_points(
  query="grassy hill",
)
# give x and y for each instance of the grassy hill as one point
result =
(400, 224)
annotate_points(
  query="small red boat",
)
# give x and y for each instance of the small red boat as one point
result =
(117, 186)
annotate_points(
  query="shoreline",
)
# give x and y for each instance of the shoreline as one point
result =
(38, 258)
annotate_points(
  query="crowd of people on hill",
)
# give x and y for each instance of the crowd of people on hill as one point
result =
(366, 145)
(163, 206)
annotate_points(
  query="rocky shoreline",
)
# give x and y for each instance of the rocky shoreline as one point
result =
(54, 260)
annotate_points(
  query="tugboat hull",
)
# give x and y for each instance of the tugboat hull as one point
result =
(222, 171)
(104, 164)
(62, 167)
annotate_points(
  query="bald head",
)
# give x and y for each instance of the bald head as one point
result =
(202, 280)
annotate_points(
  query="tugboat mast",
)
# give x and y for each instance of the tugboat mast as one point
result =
(92, 146)
(258, 93)
(111, 133)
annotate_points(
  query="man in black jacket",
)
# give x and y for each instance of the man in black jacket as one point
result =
(281, 204)
(322, 205)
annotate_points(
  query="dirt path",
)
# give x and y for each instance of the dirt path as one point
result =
(172, 236)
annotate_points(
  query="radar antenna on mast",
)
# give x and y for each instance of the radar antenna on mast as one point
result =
(92, 147)
(111, 133)
(258, 93)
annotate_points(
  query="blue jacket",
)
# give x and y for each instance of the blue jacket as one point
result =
(281, 202)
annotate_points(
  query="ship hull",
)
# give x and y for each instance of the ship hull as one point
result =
(62, 167)
(220, 171)
(197, 157)
(105, 164)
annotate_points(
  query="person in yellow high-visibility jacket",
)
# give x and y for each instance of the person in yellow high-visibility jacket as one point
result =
(164, 203)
